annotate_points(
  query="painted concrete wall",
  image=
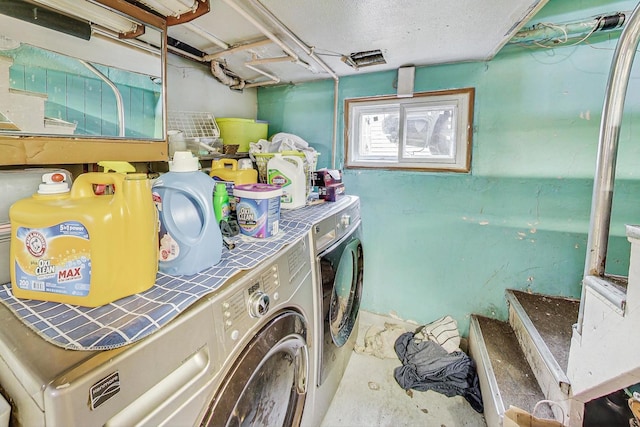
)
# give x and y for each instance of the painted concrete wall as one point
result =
(442, 243)
(191, 87)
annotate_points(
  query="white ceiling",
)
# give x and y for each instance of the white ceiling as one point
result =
(408, 32)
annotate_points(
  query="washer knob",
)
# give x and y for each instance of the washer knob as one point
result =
(258, 304)
(345, 220)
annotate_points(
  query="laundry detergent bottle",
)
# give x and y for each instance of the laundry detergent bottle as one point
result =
(291, 177)
(231, 170)
(189, 239)
(81, 246)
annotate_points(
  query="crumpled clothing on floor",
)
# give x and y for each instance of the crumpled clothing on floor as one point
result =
(426, 365)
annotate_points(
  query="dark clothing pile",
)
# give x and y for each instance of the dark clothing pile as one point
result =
(428, 366)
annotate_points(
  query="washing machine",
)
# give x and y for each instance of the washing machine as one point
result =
(338, 258)
(239, 356)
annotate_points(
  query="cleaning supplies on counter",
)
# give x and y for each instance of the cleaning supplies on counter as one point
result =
(258, 209)
(221, 202)
(190, 238)
(231, 170)
(291, 177)
(328, 184)
(74, 246)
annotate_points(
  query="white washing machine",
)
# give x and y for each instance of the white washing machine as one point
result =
(338, 260)
(240, 356)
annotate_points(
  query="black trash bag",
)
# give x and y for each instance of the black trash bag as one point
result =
(428, 366)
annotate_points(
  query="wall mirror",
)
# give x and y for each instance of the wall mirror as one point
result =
(80, 86)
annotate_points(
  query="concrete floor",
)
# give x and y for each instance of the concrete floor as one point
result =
(370, 396)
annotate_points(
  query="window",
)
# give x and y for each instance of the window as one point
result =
(430, 131)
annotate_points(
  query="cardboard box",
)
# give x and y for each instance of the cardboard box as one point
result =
(330, 193)
(326, 177)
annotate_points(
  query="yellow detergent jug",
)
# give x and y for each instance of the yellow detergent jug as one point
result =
(228, 170)
(78, 247)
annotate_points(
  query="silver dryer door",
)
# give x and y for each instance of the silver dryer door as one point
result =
(267, 384)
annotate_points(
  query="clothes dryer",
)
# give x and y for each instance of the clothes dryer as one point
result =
(338, 259)
(239, 356)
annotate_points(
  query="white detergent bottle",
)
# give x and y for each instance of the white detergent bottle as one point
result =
(288, 173)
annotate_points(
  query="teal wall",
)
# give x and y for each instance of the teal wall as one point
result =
(442, 243)
(76, 95)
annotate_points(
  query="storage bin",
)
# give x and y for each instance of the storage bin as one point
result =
(241, 132)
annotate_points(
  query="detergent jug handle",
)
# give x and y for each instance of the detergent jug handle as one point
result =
(83, 185)
(298, 161)
(232, 162)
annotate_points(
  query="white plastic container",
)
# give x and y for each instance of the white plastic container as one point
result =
(258, 209)
(190, 239)
(291, 177)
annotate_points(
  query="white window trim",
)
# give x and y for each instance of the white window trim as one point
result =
(461, 100)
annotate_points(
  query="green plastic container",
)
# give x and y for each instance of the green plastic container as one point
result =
(241, 132)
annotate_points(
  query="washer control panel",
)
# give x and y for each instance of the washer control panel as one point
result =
(258, 304)
(260, 292)
(253, 300)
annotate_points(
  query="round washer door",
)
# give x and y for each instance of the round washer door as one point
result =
(342, 270)
(267, 384)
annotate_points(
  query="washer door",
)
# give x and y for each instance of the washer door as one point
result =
(342, 268)
(342, 271)
(267, 384)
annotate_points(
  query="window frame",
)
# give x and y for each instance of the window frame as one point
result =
(460, 100)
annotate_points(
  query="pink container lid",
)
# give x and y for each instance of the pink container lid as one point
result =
(257, 191)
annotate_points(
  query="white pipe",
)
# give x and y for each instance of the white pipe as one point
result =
(264, 73)
(309, 51)
(213, 39)
(275, 21)
(260, 61)
(265, 31)
(237, 48)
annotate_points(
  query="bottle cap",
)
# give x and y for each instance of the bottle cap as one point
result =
(53, 183)
(183, 161)
(221, 188)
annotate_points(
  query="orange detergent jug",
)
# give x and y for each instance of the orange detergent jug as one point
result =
(78, 247)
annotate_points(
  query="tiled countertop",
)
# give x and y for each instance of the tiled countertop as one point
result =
(132, 318)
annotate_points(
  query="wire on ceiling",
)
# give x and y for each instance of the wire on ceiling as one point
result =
(550, 35)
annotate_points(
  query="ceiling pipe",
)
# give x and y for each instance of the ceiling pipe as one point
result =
(604, 180)
(259, 61)
(237, 48)
(544, 32)
(204, 34)
(309, 51)
(222, 77)
(302, 45)
(296, 60)
(273, 78)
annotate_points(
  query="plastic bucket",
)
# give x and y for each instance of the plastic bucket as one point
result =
(258, 209)
(241, 132)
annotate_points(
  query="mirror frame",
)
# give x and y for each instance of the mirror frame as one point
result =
(41, 150)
